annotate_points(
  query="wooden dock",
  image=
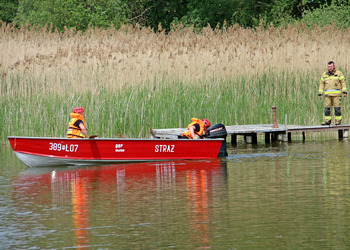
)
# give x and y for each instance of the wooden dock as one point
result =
(270, 131)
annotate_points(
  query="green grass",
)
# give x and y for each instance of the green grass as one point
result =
(245, 100)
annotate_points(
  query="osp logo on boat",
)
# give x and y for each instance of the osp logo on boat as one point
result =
(118, 148)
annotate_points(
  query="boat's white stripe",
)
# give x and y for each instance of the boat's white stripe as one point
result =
(44, 161)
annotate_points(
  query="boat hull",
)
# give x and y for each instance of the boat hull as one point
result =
(43, 152)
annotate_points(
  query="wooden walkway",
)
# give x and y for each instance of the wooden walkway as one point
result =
(283, 132)
(272, 132)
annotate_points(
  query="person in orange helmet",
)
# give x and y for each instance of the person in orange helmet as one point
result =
(196, 129)
(77, 126)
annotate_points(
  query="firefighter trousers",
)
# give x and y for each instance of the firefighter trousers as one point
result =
(329, 102)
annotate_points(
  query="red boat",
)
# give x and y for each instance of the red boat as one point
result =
(43, 151)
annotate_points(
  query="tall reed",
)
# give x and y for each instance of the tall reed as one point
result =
(127, 111)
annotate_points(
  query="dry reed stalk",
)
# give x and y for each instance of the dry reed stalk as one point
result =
(112, 59)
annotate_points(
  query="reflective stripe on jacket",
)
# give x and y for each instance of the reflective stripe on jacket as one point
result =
(332, 91)
(201, 128)
(73, 131)
(332, 84)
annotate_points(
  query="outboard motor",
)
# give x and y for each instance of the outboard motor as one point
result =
(218, 131)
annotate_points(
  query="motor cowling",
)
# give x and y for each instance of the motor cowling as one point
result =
(218, 131)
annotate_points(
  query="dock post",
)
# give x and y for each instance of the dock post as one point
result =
(288, 135)
(346, 133)
(303, 135)
(275, 125)
(267, 137)
(340, 134)
(234, 140)
(255, 138)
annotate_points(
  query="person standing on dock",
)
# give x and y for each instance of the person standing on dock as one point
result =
(196, 129)
(77, 125)
(332, 85)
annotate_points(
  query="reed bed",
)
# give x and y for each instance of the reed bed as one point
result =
(129, 77)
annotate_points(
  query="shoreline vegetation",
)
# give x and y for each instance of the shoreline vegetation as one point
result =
(132, 76)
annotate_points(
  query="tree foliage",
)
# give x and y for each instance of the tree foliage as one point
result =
(8, 9)
(165, 14)
(338, 13)
(209, 12)
(78, 14)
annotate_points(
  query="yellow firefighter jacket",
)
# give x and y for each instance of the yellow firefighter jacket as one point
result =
(332, 84)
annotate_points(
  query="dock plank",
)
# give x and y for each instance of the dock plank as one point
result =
(253, 128)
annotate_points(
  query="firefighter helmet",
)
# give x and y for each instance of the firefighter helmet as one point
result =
(78, 110)
(206, 123)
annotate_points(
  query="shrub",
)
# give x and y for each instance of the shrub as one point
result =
(328, 15)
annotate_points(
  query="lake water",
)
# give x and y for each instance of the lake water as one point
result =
(283, 196)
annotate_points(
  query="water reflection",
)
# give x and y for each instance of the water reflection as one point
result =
(80, 208)
(124, 186)
(197, 184)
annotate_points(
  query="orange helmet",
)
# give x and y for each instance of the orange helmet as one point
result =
(206, 123)
(78, 110)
